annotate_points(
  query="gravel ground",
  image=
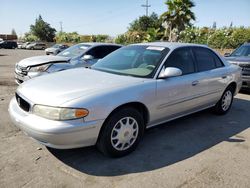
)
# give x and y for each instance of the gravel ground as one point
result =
(201, 150)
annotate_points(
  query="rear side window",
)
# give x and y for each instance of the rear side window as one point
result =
(218, 62)
(110, 49)
(181, 58)
(206, 59)
(100, 52)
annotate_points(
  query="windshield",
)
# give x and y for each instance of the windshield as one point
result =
(242, 51)
(74, 51)
(56, 46)
(135, 60)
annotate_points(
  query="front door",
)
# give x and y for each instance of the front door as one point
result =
(176, 95)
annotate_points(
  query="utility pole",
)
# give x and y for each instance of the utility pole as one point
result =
(61, 27)
(146, 6)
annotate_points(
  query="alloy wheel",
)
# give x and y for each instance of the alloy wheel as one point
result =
(227, 100)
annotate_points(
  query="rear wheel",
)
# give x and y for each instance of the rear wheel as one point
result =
(225, 103)
(121, 133)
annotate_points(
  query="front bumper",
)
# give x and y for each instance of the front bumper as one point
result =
(55, 134)
(20, 78)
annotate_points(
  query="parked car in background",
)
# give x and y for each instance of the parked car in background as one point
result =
(36, 46)
(55, 49)
(80, 55)
(133, 88)
(19, 45)
(24, 45)
(8, 44)
(241, 57)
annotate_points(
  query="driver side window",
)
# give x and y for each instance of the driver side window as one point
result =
(181, 58)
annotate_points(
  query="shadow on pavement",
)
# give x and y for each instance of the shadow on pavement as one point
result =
(165, 144)
(245, 91)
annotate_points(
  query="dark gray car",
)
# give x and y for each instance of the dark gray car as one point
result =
(241, 57)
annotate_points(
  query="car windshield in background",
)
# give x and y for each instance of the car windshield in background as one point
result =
(242, 51)
(56, 46)
(135, 60)
(74, 51)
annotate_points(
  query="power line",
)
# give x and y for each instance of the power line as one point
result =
(146, 6)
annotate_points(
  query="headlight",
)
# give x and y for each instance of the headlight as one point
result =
(40, 68)
(234, 63)
(57, 113)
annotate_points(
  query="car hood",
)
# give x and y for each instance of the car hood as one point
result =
(37, 60)
(51, 49)
(238, 59)
(61, 87)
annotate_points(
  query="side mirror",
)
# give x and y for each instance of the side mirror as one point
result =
(170, 72)
(87, 57)
(227, 54)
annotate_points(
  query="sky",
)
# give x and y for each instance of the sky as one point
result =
(111, 17)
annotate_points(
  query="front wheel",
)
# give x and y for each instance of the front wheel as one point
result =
(121, 133)
(225, 103)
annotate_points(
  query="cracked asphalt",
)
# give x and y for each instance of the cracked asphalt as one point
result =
(201, 150)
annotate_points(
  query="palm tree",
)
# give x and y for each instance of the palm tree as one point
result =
(178, 16)
(153, 35)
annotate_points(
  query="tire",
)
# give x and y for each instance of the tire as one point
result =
(130, 136)
(223, 106)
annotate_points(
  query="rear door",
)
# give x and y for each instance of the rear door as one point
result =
(210, 80)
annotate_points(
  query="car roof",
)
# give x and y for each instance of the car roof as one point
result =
(100, 44)
(170, 45)
(246, 44)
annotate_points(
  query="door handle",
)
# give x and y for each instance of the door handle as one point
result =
(224, 77)
(194, 83)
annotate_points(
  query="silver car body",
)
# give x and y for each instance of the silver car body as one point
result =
(24, 45)
(101, 93)
(57, 63)
(54, 50)
(36, 46)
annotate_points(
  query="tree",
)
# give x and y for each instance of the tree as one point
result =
(214, 25)
(43, 30)
(131, 37)
(143, 23)
(178, 16)
(29, 37)
(13, 32)
(153, 35)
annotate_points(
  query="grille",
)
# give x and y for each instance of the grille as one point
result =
(245, 65)
(22, 103)
(246, 71)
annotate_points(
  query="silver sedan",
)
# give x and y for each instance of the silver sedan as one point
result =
(133, 88)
